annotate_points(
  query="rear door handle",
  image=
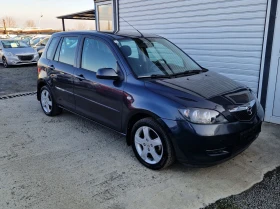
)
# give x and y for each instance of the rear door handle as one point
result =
(51, 67)
(80, 77)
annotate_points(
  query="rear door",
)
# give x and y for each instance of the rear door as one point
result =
(98, 99)
(62, 68)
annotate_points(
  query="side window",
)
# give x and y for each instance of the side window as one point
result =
(96, 55)
(45, 41)
(134, 49)
(68, 50)
(52, 47)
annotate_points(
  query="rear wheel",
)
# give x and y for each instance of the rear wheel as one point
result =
(5, 62)
(151, 145)
(48, 103)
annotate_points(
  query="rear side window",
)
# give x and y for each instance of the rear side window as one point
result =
(96, 55)
(68, 50)
(52, 47)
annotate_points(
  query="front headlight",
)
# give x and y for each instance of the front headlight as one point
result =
(203, 116)
(9, 54)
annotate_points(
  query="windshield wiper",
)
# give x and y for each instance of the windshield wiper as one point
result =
(189, 72)
(155, 76)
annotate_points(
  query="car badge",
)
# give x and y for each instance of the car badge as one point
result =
(249, 110)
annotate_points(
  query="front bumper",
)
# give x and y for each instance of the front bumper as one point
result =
(14, 60)
(206, 145)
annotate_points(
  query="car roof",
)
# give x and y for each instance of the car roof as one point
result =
(110, 35)
(5, 39)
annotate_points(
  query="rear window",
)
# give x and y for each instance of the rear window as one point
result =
(52, 48)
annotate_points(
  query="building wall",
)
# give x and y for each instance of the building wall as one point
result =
(221, 35)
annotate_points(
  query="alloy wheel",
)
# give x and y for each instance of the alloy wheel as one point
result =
(148, 145)
(46, 101)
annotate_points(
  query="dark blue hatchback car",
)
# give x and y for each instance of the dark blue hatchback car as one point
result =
(145, 87)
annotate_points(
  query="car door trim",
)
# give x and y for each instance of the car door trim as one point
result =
(58, 88)
(97, 103)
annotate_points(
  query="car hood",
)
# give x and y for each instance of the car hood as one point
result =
(204, 90)
(21, 51)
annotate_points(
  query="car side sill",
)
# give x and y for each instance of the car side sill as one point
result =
(123, 134)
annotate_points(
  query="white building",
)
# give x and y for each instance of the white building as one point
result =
(237, 38)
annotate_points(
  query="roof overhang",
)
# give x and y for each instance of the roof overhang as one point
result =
(85, 15)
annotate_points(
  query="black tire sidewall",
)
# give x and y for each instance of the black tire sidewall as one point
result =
(163, 136)
(4, 60)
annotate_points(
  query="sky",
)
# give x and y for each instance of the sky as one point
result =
(25, 10)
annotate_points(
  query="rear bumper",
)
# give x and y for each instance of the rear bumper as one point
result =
(206, 145)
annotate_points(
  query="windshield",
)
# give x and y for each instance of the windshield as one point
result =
(155, 56)
(35, 41)
(14, 44)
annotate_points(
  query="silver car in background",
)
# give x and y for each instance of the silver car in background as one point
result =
(16, 52)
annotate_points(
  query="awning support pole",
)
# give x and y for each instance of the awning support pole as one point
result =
(63, 24)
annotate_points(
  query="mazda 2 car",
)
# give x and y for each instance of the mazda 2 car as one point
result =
(146, 88)
(16, 52)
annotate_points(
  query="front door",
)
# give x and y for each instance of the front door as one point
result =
(272, 113)
(98, 99)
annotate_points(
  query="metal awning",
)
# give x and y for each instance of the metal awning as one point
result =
(85, 15)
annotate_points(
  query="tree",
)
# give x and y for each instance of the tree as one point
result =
(30, 23)
(10, 22)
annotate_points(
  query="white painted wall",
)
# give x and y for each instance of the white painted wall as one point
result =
(225, 36)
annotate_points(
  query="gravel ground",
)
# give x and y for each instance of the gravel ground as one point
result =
(69, 162)
(18, 79)
(263, 195)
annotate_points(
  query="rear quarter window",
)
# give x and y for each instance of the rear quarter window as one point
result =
(52, 47)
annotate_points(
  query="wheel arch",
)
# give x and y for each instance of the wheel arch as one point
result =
(40, 84)
(136, 116)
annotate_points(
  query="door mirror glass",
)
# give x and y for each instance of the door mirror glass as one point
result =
(107, 73)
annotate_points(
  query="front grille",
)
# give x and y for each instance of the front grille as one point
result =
(25, 57)
(243, 114)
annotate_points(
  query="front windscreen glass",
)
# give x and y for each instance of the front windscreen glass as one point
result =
(14, 44)
(155, 56)
(35, 41)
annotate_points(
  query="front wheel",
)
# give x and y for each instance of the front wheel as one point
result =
(5, 62)
(48, 103)
(151, 145)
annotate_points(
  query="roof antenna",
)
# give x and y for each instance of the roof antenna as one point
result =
(132, 26)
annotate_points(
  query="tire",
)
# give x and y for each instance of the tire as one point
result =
(47, 101)
(151, 141)
(5, 63)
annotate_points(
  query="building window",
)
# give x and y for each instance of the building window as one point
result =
(105, 16)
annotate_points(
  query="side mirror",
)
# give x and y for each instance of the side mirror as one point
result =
(107, 73)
